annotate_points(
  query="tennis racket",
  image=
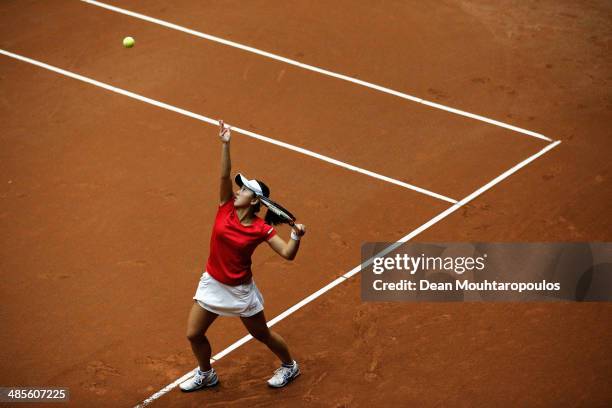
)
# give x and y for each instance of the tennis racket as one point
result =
(279, 210)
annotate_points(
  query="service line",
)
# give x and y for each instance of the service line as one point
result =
(315, 69)
(234, 128)
(357, 269)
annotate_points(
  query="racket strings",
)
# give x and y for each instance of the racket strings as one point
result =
(278, 210)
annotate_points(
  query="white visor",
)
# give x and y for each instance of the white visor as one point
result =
(252, 185)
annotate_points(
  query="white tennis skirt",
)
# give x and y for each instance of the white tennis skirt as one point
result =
(241, 300)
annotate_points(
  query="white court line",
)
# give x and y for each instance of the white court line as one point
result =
(357, 269)
(235, 129)
(315, 69)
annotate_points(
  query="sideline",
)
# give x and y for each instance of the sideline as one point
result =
(234, 128)
(315, 69)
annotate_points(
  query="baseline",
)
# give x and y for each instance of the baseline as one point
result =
(357, 269)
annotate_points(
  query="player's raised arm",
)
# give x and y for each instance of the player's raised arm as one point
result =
(225, 190)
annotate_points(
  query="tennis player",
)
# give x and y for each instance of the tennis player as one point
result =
(227, 287)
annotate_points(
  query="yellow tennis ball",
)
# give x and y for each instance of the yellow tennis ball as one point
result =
(128, 42)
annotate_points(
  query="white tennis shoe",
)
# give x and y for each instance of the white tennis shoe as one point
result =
(200, 380)
(284, 375)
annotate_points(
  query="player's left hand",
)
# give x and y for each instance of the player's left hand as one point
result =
(224, 132)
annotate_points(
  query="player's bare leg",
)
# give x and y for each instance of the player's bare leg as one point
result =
(198, 323)
(257, 327)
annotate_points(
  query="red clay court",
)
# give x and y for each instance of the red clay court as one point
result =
(401, 120)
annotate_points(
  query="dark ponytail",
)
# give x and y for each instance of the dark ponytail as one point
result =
(272, 218)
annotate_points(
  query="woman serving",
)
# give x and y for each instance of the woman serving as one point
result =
(227, 287)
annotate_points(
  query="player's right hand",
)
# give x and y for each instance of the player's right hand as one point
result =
(224, 132)
(300, 229)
